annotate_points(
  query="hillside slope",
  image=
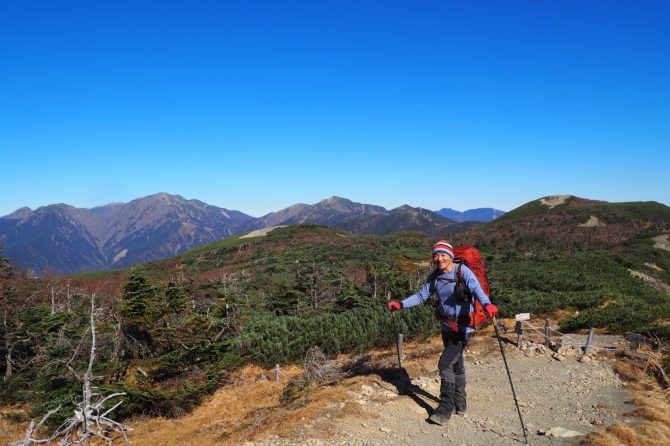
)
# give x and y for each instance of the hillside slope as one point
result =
(567, 223)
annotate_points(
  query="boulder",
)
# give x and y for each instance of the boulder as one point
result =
(561, 432)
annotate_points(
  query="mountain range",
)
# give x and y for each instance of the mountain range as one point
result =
(62, 239)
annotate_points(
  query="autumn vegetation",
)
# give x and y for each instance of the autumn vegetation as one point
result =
(171, 332)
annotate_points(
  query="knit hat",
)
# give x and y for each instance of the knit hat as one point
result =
(443, 247)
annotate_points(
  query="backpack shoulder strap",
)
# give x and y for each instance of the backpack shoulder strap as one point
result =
(460, 280)
(432, 277)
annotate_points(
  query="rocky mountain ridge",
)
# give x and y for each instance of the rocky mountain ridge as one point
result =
(63, 239)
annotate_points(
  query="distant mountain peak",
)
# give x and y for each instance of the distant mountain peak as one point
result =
(162, 196)
(65, 239)
(478, 214)
(405, 208)
(19, 214)
(553, 201)
(336, 199)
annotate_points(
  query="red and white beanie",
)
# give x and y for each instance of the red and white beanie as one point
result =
(443, 247)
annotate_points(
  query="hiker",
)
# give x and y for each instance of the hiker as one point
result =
(454, 312)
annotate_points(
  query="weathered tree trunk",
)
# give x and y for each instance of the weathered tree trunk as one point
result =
(89, 376)
(8, 343)
(90, 418)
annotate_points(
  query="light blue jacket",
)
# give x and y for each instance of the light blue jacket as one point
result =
(443, 285)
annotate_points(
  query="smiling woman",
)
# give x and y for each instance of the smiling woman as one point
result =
(456, 289)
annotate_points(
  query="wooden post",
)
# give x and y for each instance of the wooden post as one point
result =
(547, 333)
(518, 329)
(635, 340)
(589, 339)
(277, 372)
(400, 345)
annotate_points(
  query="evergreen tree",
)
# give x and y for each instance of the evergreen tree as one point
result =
(139, 310)
(176, 297)
(139, 302)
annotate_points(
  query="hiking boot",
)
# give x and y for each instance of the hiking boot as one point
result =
(443, 411)
(460, 396)
(440, 416)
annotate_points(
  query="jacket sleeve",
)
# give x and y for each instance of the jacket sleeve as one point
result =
(474, 286)
(420, 296)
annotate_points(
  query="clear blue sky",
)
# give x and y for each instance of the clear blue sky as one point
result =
(255, 106)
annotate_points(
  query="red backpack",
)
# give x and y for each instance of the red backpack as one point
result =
(470, 257)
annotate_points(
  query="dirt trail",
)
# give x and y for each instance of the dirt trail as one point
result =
(577, 396)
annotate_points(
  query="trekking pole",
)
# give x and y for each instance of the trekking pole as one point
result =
(397, 347)
(502, 350)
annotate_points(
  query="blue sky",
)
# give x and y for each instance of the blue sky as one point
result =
(255, 106)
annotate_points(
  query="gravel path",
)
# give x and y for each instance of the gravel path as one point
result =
(553, 392)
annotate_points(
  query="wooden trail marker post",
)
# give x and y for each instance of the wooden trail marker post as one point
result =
(589, 340)
(547, 333)
(518, 328)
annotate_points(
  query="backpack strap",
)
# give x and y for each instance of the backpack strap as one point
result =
(461, 282)
(433, 284)
(459, 273)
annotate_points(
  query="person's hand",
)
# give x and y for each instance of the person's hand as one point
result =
(394, 305)
(491, 310)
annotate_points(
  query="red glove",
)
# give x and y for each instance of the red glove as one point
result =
(491, 309)
(394, 305)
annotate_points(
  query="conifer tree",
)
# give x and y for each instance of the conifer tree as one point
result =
(139, 310)
(139, 302)
(176, 297)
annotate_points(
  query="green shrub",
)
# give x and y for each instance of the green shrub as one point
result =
(269, 339)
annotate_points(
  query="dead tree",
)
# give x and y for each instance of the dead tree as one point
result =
(90, 417)
(318, 369)
(659, 347)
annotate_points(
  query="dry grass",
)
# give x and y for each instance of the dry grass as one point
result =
(250, 410)
(653, 402)
(245, 410)
(10, 428)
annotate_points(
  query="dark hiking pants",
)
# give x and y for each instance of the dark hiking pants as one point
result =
(451, 361)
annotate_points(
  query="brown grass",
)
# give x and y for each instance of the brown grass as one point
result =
(245, 410)
(653, 411)
(10, 429)
(250, 410)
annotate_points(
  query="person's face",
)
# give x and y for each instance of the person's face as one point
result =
(442, 261)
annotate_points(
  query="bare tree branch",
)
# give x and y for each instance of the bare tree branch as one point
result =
(90, 417)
